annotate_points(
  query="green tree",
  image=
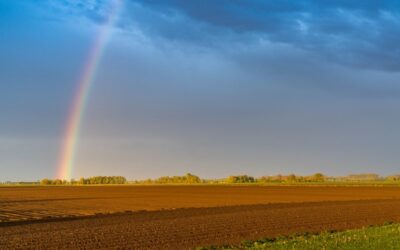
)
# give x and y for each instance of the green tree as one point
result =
(57, 182)
(81, 181)
(240, 179)
(190, 178)
(291, 178)
(45, 182)
(318, 177)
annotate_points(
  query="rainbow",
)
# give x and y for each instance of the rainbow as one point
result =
(77, 109)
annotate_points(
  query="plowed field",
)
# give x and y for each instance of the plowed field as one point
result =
(182, 217)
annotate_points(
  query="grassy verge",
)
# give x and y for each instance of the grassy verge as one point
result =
(376, 237)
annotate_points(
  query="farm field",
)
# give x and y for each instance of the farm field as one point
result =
(28, 203)
(182, 217)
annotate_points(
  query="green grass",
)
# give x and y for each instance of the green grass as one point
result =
(377, 237)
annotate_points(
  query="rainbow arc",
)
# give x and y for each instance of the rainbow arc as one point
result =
(78, 104)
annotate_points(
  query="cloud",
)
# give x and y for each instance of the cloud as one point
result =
(363, 34)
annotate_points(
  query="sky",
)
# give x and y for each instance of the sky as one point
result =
(214, 88)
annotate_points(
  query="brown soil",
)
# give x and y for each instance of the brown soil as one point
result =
(183, 216)
(191, 227)
(27, 203)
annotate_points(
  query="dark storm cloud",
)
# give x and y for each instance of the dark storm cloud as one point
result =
(365, 34)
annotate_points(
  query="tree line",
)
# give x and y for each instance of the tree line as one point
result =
(87, 181)
(193, 179)
(233, 179)
(185, 179)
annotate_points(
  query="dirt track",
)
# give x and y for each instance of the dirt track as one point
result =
(182, 216)
(191, 227)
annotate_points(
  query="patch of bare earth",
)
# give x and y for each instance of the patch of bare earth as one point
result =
(182, 217)
(187, 228)
(35, 203)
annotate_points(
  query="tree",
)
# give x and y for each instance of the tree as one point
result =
(291, 178)
(393, 178)
(81, 181)
(190, 178)
(57, 182)
(45, 182)
(318, 177)
(240, 179)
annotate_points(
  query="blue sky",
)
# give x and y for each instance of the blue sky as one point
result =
(212, 88)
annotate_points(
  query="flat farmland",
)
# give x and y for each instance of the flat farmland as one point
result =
(174, 217)
(27, 203)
